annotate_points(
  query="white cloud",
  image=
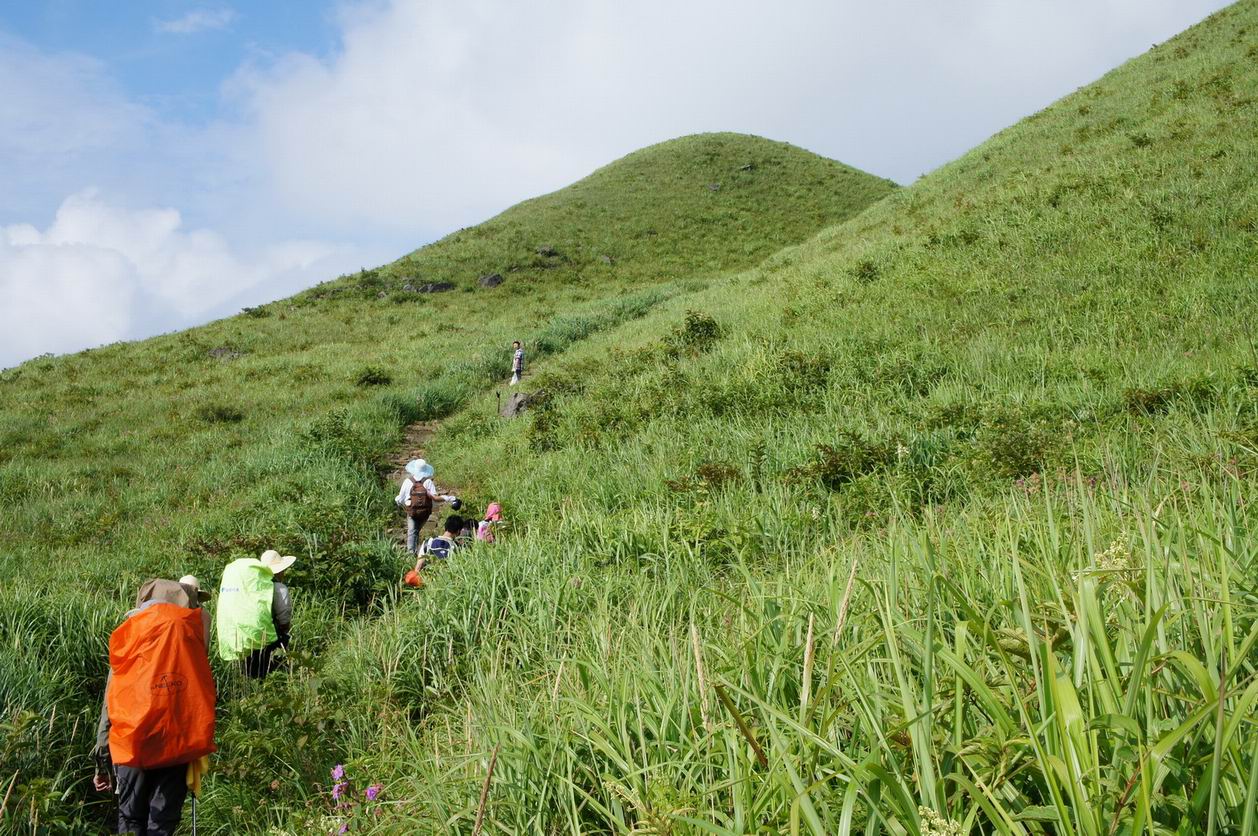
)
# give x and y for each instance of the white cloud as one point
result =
(434, 115)
(197, 20)
(101, 272)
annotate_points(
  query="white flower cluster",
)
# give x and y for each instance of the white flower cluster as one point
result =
(934, 824)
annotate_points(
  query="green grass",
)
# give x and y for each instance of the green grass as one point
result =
(940, 520)
(273, 428)
(1019, 397)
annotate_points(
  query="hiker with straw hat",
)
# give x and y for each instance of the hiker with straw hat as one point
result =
(255, 611)
(416, 498)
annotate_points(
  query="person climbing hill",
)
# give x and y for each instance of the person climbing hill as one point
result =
(485, 529)
(517, 362)
(416, 498)
(440, 548)
(156, 727)
(255, 611)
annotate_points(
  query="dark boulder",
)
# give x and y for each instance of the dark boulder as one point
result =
(492, 280)
(435, 287)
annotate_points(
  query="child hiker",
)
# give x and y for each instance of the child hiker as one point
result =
(485, 530)
(517, 362)
(416, 498)
(439, 548)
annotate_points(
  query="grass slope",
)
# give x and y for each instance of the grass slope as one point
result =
(272, 428)
(943, 521)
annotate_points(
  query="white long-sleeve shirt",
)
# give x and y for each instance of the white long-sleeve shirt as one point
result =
(429, 486)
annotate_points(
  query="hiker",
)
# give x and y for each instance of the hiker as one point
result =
(439, 548)
(517, 362)
(159, 682)
(485, 530)
(416, 498)
(467, 536)
(255, 611)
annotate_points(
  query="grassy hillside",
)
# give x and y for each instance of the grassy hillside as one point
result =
(942, 522)
(273, 429)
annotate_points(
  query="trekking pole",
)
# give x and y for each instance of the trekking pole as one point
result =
(194, 814)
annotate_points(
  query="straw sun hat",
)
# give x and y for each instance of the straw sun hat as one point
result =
(276, 563)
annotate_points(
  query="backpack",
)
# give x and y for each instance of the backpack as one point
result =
(438, 547)
(419, 502)
(160, 698)
(244, 608)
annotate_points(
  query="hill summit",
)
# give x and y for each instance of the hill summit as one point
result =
(693, 206)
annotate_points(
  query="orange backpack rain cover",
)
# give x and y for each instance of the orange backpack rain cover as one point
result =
(161, 698)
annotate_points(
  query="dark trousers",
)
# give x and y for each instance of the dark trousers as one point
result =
(150, 801)
(259, 663)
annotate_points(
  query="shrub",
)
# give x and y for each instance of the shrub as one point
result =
(865, 271)
(372, 376)
(851, 456)
(697, 334)
(218, 413)
(1017, 441)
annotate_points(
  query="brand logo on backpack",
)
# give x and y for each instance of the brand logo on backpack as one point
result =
(168, 684)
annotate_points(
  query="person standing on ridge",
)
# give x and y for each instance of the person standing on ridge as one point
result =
(255, 611)
(517, 362)
(156, 726)
(416, 498)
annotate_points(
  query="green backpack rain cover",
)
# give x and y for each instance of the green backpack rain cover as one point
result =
(244, 608)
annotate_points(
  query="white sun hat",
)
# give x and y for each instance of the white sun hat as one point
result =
(419, 469)
(276, 563)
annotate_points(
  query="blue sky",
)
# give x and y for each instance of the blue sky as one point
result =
(166, 162)
(173, 54)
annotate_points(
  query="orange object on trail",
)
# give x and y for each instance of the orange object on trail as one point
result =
(161, 697)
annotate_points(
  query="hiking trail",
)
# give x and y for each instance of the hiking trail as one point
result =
(415, 438)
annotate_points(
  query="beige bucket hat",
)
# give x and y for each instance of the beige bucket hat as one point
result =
(275, 562)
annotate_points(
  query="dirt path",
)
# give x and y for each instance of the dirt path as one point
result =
(413, 447)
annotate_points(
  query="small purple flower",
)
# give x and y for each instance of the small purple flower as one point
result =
(373, 791)
(339, 789)
(344, 828)
(338, 771)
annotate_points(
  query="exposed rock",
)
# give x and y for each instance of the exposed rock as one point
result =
(409, 288)
(714, 187)
(435, 287)
(747, 167)
(606, 259)
(515, 404)
(547, 251)
(382, 295)
(225, 353)
(492, 280)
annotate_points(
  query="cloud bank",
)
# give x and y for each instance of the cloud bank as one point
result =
(100, 272)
